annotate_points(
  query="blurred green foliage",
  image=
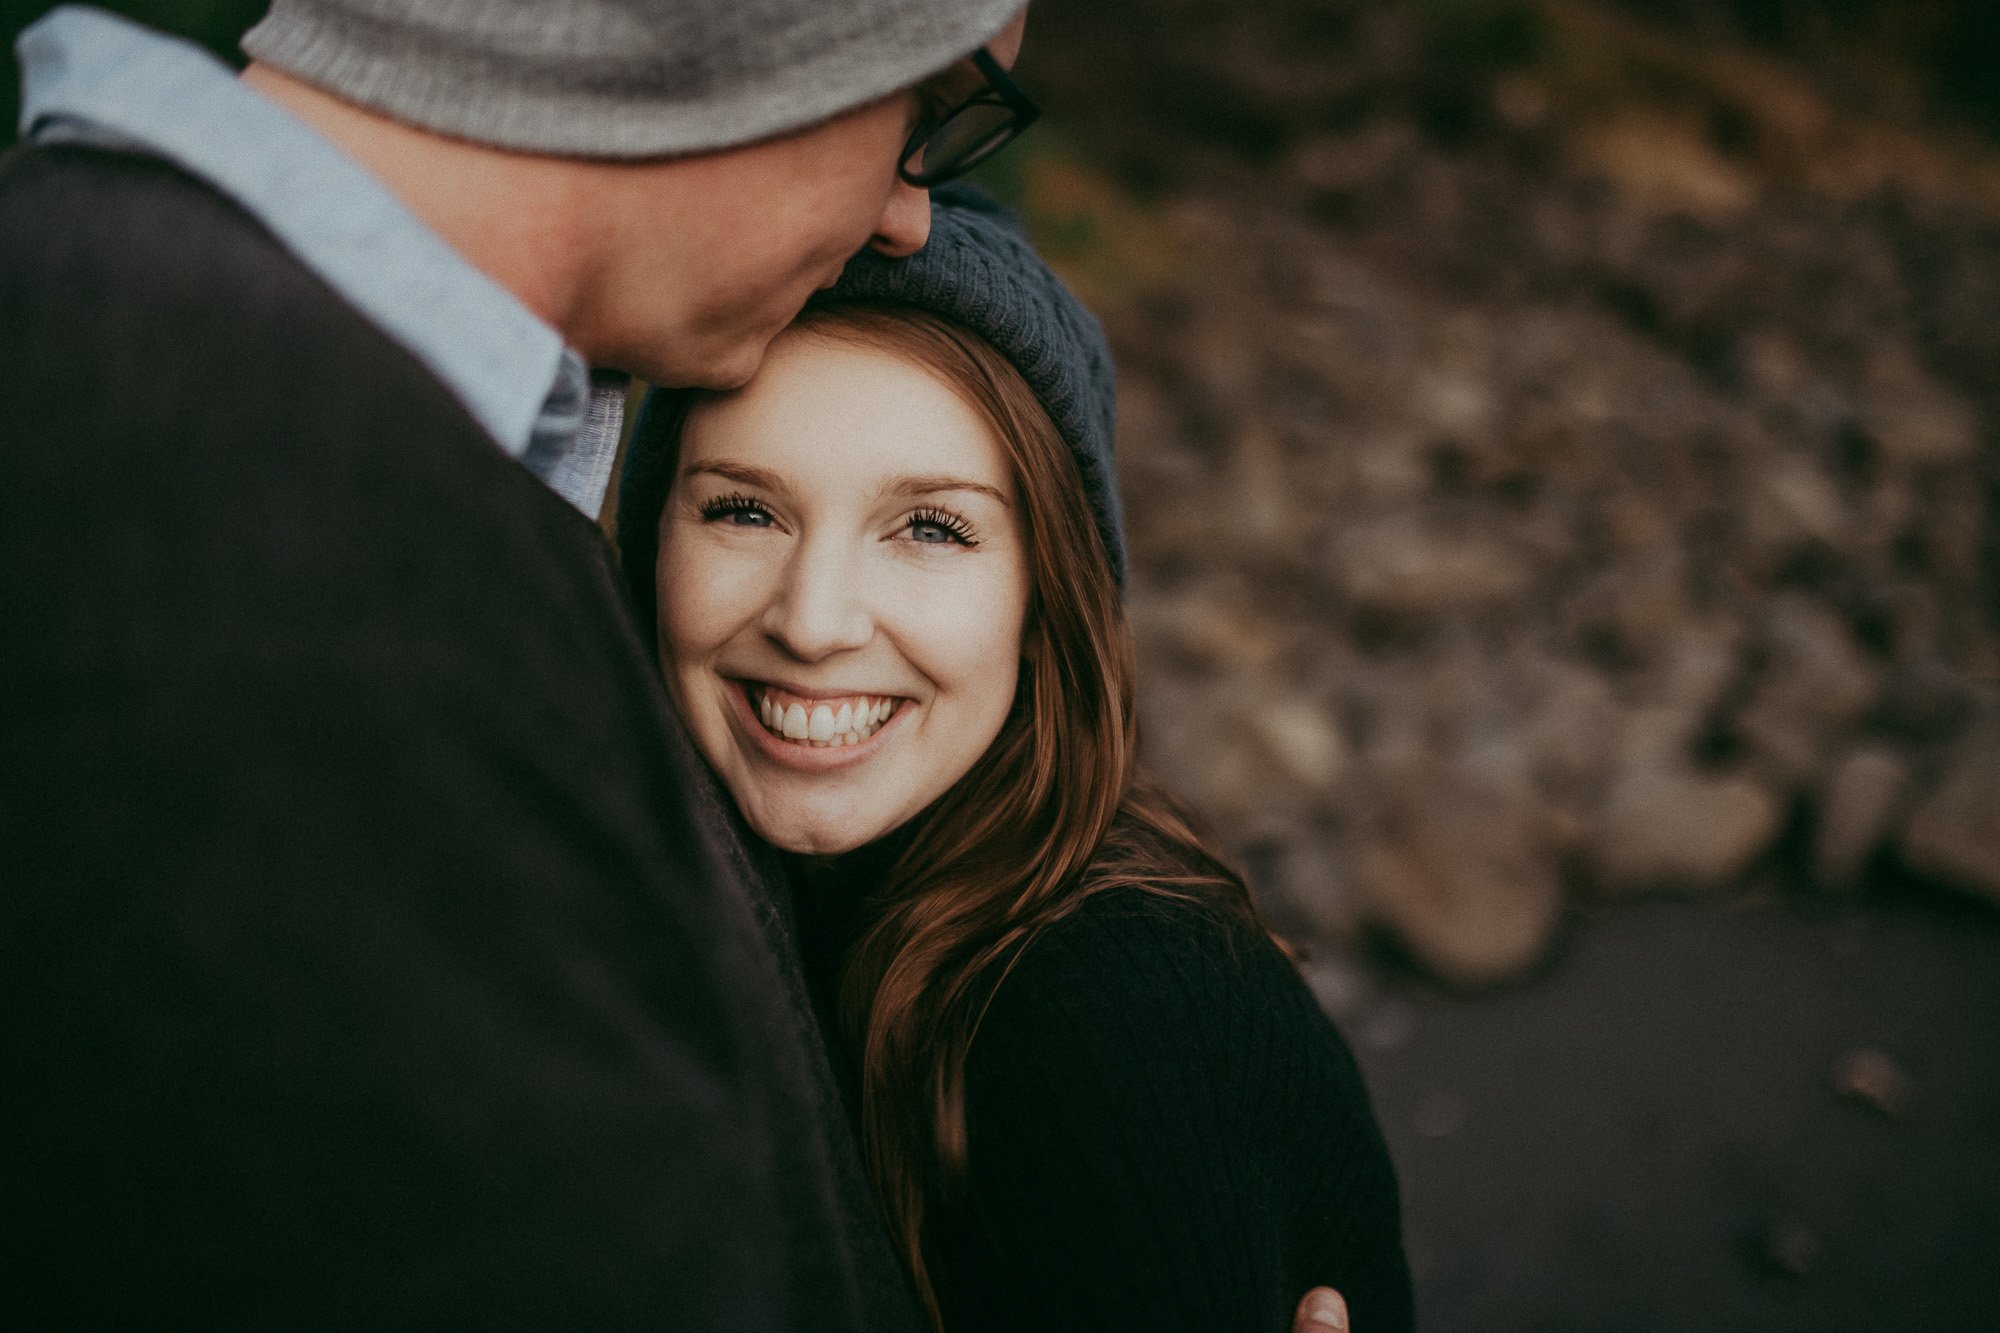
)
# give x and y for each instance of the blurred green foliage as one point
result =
(214, 23)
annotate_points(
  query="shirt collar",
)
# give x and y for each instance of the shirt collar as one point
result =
(93, 77)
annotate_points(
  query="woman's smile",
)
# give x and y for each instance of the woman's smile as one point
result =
(835, 721)
(815, 733)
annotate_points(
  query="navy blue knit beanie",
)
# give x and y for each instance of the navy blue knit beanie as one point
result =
(977, 271)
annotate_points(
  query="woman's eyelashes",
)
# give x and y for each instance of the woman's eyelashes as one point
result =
(924, 527)
(738, 510)
(939, 527)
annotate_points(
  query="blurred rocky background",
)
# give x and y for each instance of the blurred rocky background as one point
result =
(1560, 439)
(1562, 447)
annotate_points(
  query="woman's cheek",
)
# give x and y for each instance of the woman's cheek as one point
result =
(964, 624)
(707, 587)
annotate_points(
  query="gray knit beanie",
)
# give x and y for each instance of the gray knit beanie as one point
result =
(977, 271)
(619, 78)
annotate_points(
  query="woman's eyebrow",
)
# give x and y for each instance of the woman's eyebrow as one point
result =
(913, 487)
(741, 473)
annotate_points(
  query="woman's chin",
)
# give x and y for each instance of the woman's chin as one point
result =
(813, 837)
(819, 846)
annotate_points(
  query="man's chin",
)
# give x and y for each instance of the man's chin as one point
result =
(735, 377)
(714, 363)
(724, 369)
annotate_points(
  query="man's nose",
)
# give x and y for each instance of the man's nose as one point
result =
(905, 223)
(821, 608)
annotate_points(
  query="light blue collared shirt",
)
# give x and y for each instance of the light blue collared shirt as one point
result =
(90, 77)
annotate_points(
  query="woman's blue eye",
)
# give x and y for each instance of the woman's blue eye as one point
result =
(936, 528)
(738, 511)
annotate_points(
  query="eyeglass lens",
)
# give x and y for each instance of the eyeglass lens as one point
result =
(965, 139)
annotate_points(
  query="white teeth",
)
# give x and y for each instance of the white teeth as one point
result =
(822, 725)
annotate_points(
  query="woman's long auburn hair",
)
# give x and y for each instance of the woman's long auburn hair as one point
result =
(1054, 811)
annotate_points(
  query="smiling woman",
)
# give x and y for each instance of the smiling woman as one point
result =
(1090, 1090)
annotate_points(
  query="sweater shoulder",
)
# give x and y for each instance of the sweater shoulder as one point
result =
(1154, 1086)
(121, 265)
(1139, 995)
(79, 216)
(1148, 962)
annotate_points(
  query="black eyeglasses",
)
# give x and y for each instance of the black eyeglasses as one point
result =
(969, 133)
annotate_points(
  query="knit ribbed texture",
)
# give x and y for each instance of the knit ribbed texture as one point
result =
(619, 78)
(1166, 1134)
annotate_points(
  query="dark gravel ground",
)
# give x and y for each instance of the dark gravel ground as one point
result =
(1652, 1135)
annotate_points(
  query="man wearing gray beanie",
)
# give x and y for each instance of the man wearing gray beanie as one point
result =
(375, 953)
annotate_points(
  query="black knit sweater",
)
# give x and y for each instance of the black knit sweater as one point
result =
(1165, 1133)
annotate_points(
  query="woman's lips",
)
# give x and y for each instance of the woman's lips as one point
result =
(838, 732)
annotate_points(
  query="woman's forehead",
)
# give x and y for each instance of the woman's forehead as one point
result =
(833, 412)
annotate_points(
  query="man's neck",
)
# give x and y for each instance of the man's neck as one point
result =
(513, 216)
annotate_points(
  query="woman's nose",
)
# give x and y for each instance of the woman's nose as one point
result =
(821, 608)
